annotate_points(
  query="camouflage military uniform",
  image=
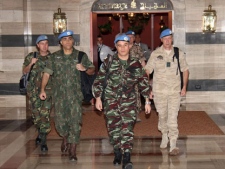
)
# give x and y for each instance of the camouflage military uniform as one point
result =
(40, 108)
(120, 98)
(67, 95)
(166, 88)
(137, 52)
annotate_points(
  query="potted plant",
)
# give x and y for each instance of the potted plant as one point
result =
(105, 28)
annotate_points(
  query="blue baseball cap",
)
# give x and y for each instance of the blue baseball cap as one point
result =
(130, 33)
(65, 34)
(41, 38)
(166, 32)
(122, 37)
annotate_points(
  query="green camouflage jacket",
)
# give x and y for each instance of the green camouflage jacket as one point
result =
(121, 81)
(34, 84)
(65, 77)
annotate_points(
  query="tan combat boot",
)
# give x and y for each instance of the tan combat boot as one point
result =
(164, 141)
(174, 150)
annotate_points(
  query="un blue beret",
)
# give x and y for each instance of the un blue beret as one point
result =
(130, 33)
(41, 38)
(122, 37)
(166, 32)
(65, 34)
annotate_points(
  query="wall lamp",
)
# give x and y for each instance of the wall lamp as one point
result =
(209, 20)
(59, 22)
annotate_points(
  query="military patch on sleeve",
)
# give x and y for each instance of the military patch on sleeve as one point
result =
(159, 57)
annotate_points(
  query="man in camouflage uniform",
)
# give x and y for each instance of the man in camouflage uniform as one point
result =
(120, 98)
(136, 51)
(67, 96)
(167, 88)
(40, 108)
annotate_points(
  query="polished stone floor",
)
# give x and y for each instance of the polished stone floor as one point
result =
(17, 148)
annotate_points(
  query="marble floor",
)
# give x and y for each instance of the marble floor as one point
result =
(18, 150)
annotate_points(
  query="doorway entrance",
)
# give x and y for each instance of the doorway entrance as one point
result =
(145, 17)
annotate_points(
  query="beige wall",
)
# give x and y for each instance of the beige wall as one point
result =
(35, 17)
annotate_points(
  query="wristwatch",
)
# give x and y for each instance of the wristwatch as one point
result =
(148, 102)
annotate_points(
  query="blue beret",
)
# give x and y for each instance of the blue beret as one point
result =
(41, 38)
(166, 32)
(122, 38)
(130, 33)
(65, 34)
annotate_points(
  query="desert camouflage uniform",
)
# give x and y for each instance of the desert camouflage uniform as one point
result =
(120, 98)
(166, 88)
(40, 108)
(67, 95)
(137, 52)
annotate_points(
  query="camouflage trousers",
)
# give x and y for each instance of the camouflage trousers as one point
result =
(120, 123)
(167, 106)
(68, 119)
(41, 110)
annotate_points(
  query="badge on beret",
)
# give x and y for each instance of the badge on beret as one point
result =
(125, 38)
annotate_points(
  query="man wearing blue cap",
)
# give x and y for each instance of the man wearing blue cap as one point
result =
(124, 73)
(167, 88)
(65, 70)
(40, 109)
(136, 51)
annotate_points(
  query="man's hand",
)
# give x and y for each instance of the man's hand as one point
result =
(33, 61)
(80, 67)
(98, 104)
(183, 91)
(147, 109)
(43, 95)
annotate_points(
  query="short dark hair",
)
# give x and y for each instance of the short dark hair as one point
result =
(99, 36)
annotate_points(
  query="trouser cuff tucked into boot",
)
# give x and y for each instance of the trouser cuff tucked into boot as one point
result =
(164, 141)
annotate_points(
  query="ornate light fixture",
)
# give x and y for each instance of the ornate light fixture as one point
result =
(131, 18)
(209, 20)
(162, 24)
(146, 15)
(59, 22)
(116, 16)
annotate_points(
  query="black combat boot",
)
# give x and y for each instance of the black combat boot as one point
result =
(72, 152)
(127, 164)
(38, 139)
(44, 146)
(118, 157)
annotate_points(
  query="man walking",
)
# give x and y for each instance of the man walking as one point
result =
(103, 51)
(40, 108)
(167, 88)
(120, 98)
(65, 70)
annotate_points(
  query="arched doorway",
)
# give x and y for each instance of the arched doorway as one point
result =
(105, 12)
